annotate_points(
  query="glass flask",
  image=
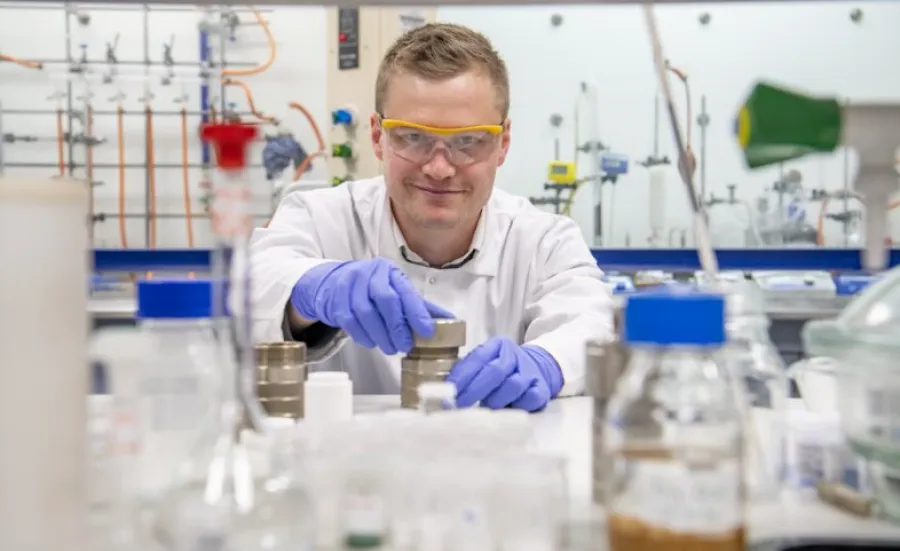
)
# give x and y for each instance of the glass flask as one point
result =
(756, 364)
(673, 431)
(863, 342)
(218, 501)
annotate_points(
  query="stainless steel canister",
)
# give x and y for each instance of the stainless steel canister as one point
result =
(430, 359)
(280, 376)
(605, 363)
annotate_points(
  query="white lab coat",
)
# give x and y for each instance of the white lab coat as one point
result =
(532, 277)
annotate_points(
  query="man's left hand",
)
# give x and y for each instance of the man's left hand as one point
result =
(500, 373)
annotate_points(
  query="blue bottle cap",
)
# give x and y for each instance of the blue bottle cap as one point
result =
(174, 299)
(672, 318)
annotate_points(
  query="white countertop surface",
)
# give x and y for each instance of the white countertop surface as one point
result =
(564, 428)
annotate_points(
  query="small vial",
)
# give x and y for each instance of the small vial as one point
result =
(436, 397)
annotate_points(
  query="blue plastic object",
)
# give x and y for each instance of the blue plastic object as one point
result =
(667, 318)
(281, 152)
(612, 164)
(174, 299)
(848, 285)
(342, 116)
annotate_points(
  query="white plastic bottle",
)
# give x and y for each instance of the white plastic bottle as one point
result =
(179, 376)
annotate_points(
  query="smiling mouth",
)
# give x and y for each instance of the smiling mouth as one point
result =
(438, 191)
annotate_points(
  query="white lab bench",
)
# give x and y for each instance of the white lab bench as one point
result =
(564, 428)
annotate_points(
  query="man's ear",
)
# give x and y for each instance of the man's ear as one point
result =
(504, 142)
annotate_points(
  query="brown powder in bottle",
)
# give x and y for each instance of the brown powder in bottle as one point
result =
(628, 534)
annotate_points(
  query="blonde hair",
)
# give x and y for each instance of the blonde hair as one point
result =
(438, 51)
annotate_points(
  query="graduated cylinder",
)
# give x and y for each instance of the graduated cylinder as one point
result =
(280, 376)
(430, 360)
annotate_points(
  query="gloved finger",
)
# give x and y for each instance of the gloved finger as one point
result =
(466, 368)
(388, 304)
(347, 320)
(508, 392)
(535, 398)
(437, 312)
(417, 316)
(490, 377)
(366, 313)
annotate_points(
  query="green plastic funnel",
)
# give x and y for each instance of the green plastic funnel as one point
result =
(777, 125)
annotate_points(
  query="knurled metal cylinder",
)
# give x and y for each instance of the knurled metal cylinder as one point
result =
(430, 360)
(280, 375)
(605, 363)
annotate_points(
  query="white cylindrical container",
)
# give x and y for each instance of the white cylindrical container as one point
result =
(328, 397)
(656, 198)
(43, 354)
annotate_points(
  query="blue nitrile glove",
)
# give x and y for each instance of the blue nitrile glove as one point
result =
(500, 373)
(372, 300)
(281, 152)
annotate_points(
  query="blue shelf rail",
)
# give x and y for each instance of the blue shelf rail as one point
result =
(623, 260)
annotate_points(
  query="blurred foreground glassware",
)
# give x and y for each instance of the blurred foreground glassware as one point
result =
(674, 432)
(755, 363)
(863, 341)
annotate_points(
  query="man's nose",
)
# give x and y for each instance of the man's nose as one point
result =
(439, 166)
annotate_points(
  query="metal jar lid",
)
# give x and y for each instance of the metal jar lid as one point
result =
(448, 333)
(281, 353)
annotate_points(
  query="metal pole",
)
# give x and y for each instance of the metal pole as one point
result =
(703, 121)
(67, 13)
(147, 145)
(2, 166)
(656, 126)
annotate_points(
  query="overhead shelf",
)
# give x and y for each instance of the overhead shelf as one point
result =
(673, 260)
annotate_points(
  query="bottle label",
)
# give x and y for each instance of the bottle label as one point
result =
(681, 498)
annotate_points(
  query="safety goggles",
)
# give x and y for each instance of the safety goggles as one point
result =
(418, 143)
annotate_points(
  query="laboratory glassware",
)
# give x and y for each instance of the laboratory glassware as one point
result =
(756, 364)
(864, 345)
(673, 431)
(216, 499)
(177, 376)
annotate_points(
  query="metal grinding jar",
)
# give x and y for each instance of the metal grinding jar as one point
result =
(605, 363)
(280, 376)
(430, 360)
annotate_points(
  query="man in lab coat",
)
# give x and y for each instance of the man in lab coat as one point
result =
(378, 259)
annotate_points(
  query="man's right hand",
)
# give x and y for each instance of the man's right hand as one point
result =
(372, 300)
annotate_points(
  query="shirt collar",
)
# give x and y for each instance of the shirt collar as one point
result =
(410, 256)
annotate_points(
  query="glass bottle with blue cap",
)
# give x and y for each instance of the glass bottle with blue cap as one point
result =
(674, 430)
(176, 386)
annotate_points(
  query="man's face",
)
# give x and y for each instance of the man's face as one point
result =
(440, 180)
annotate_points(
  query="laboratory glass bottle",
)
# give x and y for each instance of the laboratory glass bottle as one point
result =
(754, 362)
(177, 376)
(673, 432)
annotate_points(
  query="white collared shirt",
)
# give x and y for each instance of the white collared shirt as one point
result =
(529, 276)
